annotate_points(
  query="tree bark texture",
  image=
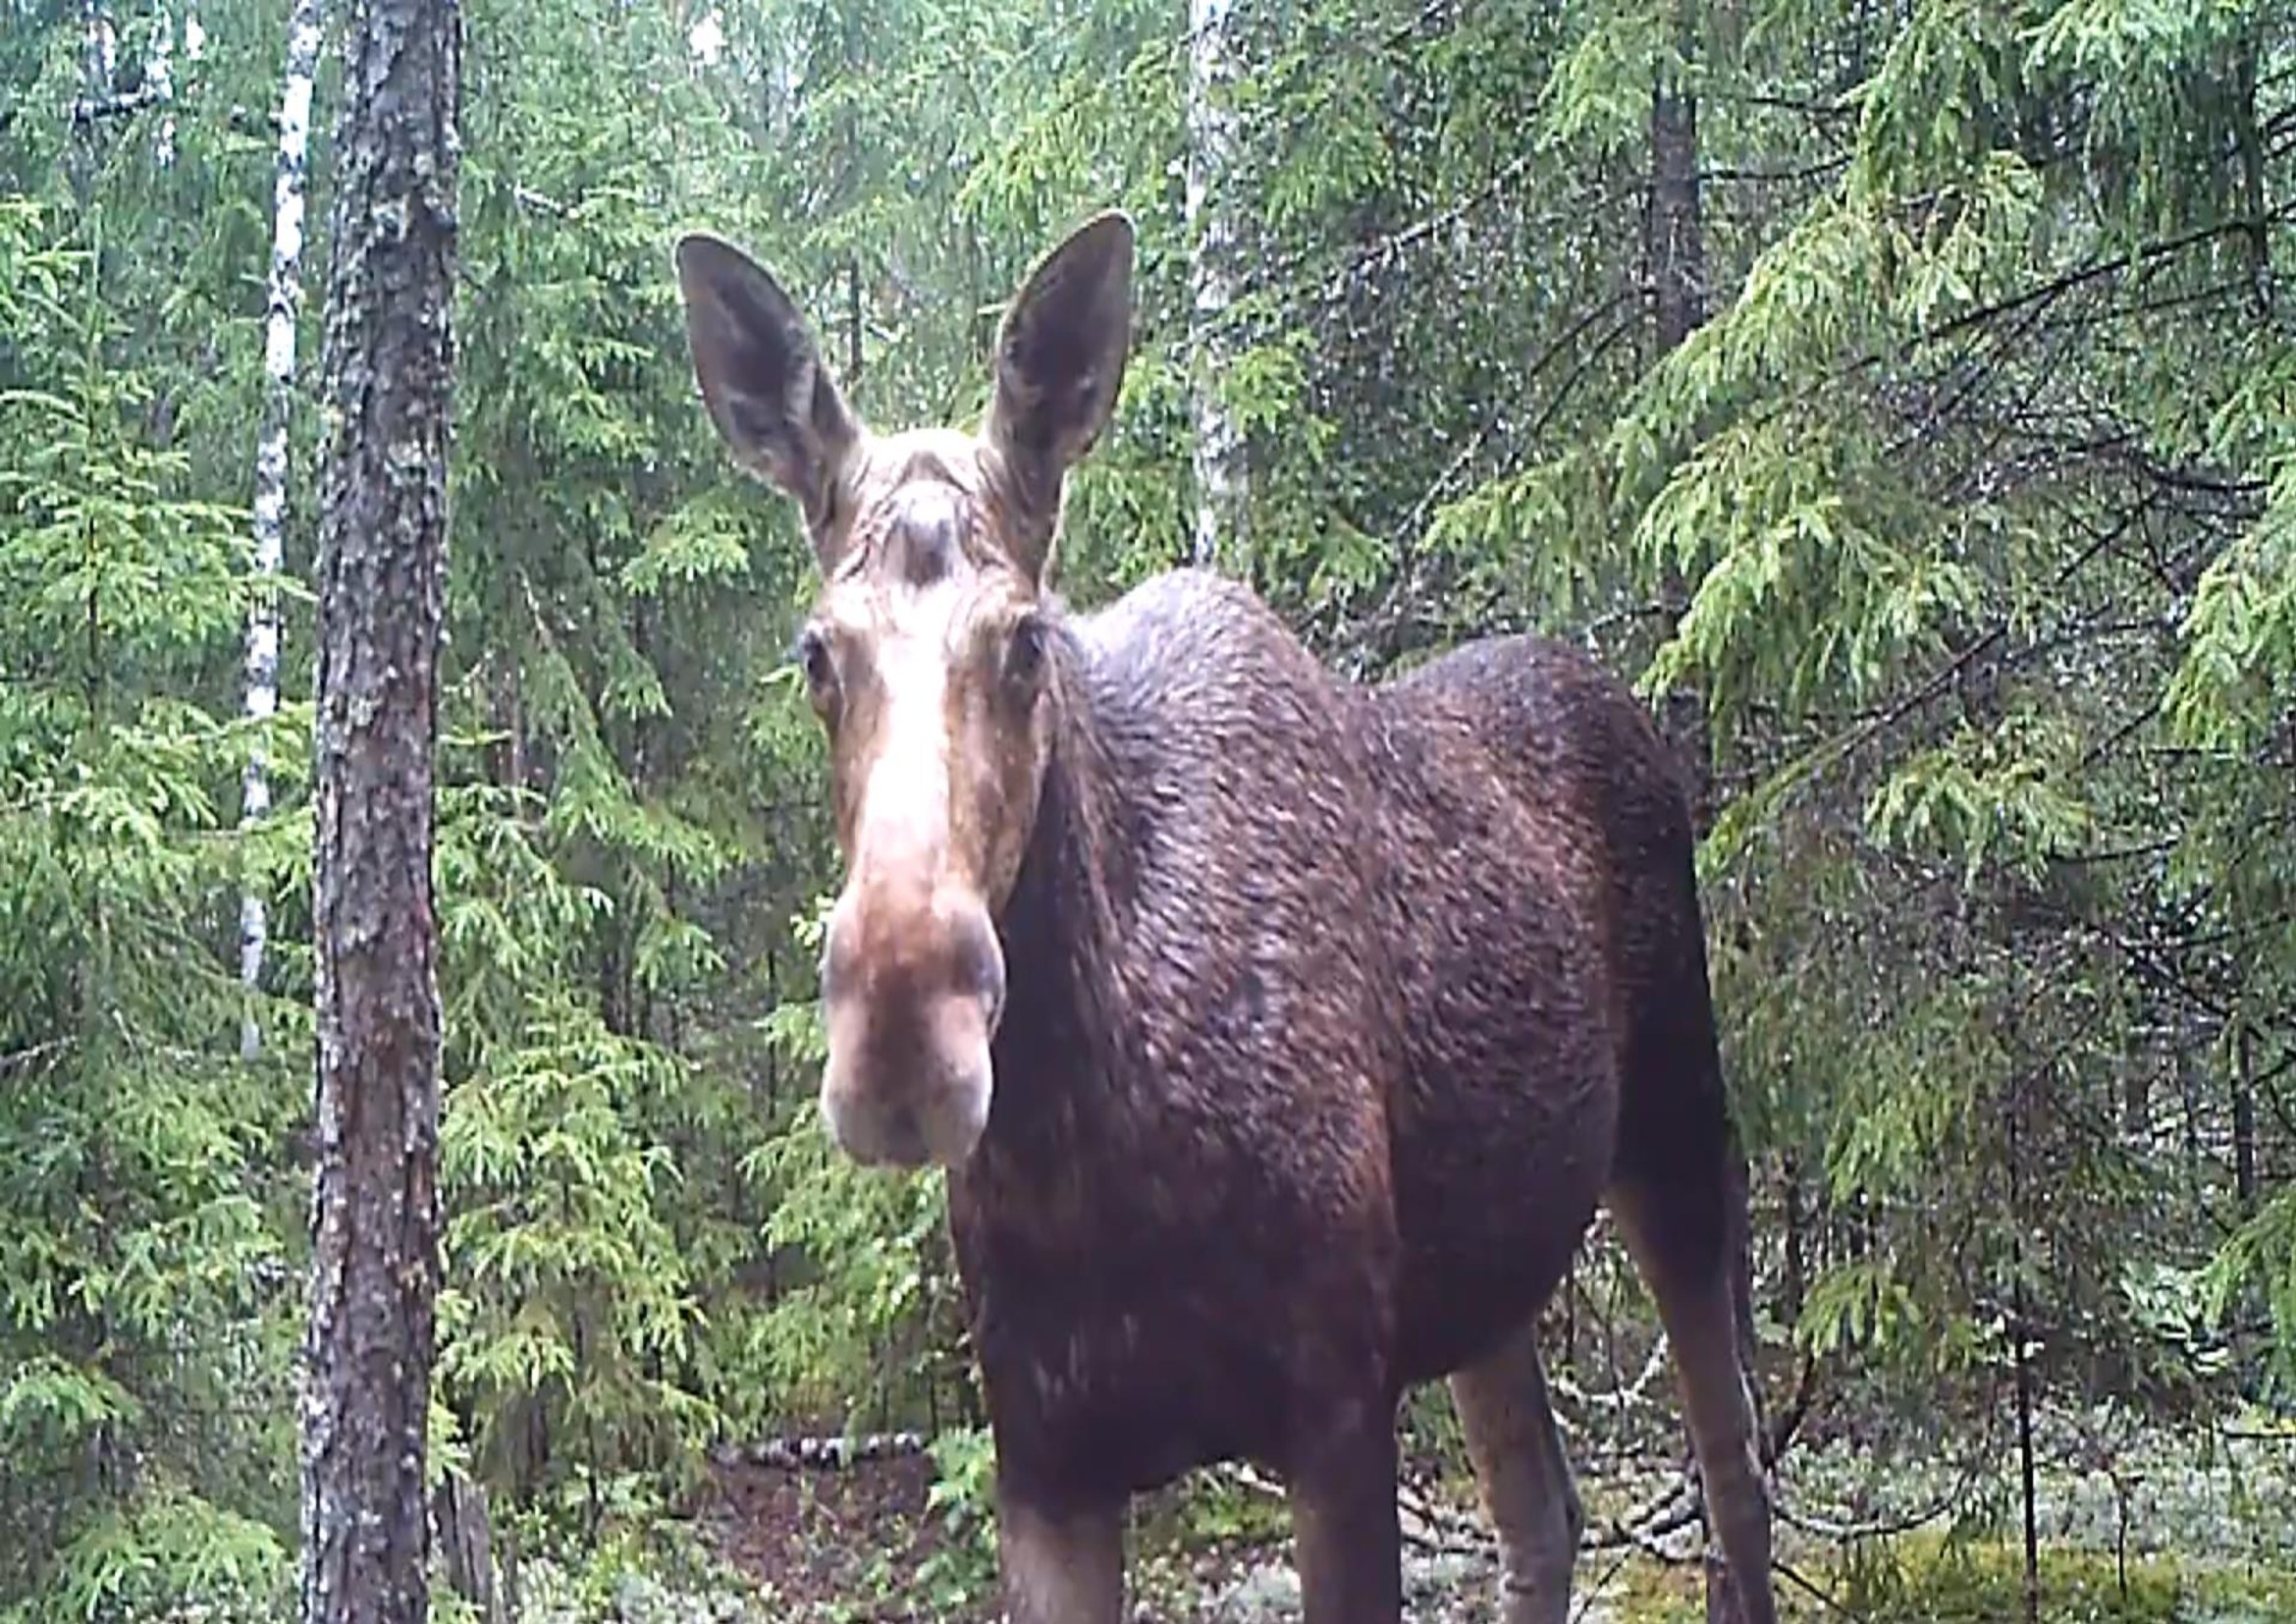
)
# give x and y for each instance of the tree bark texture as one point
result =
(1675, 249)
(387, 379)
(1676, 226)
(99, 49)
(463, 1526)
(2021, 1327)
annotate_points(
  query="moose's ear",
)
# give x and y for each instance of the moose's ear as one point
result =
(761, 377)
(1060, 355)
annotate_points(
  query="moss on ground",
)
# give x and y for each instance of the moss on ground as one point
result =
(1927, 1579)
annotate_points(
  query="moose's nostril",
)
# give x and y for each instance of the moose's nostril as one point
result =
(837, 956)
(991, 988)
(978, 969)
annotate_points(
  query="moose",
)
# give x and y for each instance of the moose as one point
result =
(1279, 1035)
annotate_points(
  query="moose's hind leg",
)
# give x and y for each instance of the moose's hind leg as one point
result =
(1524, 1476)
(1675, 1233)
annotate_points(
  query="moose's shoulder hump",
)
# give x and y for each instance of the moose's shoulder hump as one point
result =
(1182, 616)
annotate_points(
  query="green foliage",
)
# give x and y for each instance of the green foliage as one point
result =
(1986, 795)
(171, 1551)
(143, 1353)
(571, 1299)
(2238, 680)
(963, 1570)
(1964, 1583)
(2262, 1251)
(875, 1275)
(1964, 515)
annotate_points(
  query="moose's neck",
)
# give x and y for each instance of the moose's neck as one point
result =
(1061, 1052)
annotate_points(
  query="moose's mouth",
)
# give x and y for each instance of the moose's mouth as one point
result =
(904, 1093)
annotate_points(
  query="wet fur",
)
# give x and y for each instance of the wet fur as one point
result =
(1320, 1008)
(1329, 1013)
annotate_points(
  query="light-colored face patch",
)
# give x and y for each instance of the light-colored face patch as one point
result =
(901, 794)
(926, 656)
(920, 664)
(925, 659)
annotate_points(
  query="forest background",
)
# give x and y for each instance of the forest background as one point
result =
(1902, 394)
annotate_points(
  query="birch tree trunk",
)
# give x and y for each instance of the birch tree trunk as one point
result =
(99, 56)
(271, 465)
(159, 72)
(99, 51)
(159, 77)
(386, 367)
(1218, 454)
(2245, 1188)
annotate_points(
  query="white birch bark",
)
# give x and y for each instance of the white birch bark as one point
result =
(1218, 449)
(100, 54)
(270, 458)
(195, 41)
(159, 74)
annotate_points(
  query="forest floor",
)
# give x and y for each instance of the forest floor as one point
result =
(2180, 1537)
(849, 1545)
(818, 1541)
(2166, 1545)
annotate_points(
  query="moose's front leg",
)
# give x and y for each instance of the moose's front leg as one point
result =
(1345, 1532)
(1062, 1566)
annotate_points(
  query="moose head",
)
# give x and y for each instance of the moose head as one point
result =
(928, 657)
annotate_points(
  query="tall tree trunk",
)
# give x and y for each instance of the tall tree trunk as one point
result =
(99, 50)
(1218, 456)
(159, 72)
(271, 461)
(2136, 1101)
(2020, 1313)
(159, 80)
(1674, 250)
(2188, 1087)
(387, 365)
(463, 1526)
(2244, 1175)
(1794, 1286)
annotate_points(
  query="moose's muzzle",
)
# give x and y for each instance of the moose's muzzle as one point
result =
(913, 989)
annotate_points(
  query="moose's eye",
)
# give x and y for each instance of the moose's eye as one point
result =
(821, 671)
(1024, 653)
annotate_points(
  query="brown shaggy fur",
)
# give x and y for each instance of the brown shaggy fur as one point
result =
(1318, 1019)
